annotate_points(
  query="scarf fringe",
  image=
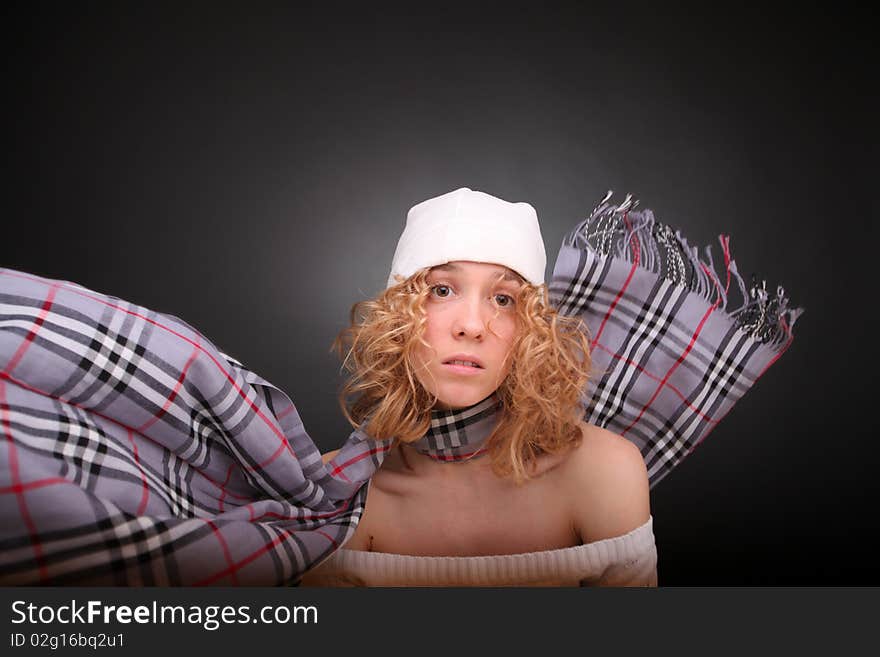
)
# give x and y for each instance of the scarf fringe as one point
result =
(636, 236)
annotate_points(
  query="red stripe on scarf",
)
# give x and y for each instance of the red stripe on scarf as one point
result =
(674, 366)
(32, 333)
(16, 482)
(170, 399)
(145, 495)
(225, 548)
(339, 468)
(655, 377)
(36, 483)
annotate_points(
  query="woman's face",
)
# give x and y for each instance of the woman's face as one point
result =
(470, 317)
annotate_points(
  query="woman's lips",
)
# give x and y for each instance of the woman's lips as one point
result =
(465, 370)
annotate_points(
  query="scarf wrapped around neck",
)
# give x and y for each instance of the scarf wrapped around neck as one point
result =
(136, 453)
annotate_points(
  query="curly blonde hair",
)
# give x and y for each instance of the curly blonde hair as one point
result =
(540, 396)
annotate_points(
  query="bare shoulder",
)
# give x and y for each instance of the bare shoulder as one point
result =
(606, 482)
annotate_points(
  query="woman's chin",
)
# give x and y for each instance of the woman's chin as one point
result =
(454, 402)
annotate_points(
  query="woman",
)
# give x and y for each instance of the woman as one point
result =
(137, 453)
(472, 328)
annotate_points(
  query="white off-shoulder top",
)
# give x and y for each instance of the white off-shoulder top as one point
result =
(626, 560)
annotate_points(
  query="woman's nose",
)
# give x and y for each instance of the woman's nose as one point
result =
(469, 321)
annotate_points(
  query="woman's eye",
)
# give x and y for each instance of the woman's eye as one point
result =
(504, 300)
(441, 290)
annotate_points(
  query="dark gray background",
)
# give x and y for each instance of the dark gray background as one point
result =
(249, 170)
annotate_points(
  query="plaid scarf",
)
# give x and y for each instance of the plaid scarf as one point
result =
(670, 352)
(460, 435)
(136, 453)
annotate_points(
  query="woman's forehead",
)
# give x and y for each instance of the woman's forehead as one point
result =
(463, 266)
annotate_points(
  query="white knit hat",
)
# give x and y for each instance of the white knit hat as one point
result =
(468, 225)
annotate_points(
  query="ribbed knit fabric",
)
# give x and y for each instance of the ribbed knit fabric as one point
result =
(627, 560)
